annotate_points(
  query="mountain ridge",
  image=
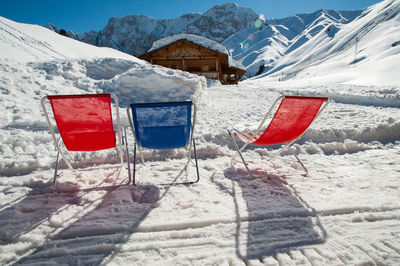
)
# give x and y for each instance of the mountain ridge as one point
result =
(265, 48)
(135, 34)
(366, 42)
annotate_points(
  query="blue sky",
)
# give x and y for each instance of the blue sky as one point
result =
(85, 15)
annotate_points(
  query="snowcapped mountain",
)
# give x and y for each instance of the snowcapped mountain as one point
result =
(135, 34)
(68, 33)
(277, 48)
(267, 44)
(234, 26)
(339, 52)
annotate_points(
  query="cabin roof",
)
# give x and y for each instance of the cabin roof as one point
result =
(200, 41)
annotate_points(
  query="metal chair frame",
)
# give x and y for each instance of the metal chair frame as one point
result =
(255, 135)
(122, 139)
(188, 147)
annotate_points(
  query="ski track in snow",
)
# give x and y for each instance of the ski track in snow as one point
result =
(279, 219)
(237, 241)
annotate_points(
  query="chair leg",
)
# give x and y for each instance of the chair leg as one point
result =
(195, 158)
(277, 154)
(125, 138)
(298, 160)
(240, 154)
(196, 164)
(56, 171)
(134, 165)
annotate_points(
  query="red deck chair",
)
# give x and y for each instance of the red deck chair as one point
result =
(85, 124)
(292, 118)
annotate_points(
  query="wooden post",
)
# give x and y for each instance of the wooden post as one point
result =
(218, 68)
(236, 77)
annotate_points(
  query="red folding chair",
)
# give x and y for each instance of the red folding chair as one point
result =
(291, 120)
(85, 124)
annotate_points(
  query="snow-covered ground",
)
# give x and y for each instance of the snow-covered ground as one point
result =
(346, 212)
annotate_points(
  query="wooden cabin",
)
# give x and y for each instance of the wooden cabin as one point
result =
(197, 55)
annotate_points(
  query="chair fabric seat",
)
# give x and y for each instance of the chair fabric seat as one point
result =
(85, 124)
(166, 137)
(162, 125)
(246, 136)
(84, 121)
(293, 116)
(291, 119)
(89, 141)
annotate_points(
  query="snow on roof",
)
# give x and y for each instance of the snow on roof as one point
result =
(210, 44)
(236, 64)
(201, 41)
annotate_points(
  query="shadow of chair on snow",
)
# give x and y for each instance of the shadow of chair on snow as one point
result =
(99, 233)
(277, 218)
(28, 212)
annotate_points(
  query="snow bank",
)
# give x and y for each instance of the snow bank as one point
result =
(24, 135)
(35, 62)
(147, 83)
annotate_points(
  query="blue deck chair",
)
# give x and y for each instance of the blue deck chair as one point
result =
(163, 126)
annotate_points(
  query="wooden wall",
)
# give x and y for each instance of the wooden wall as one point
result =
(187, 56)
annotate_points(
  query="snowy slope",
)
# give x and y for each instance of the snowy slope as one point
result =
(366, 45)
(23, 43)
(346, 212)
(267, 44)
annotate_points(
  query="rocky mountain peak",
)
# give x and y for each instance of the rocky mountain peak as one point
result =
(135, 34)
